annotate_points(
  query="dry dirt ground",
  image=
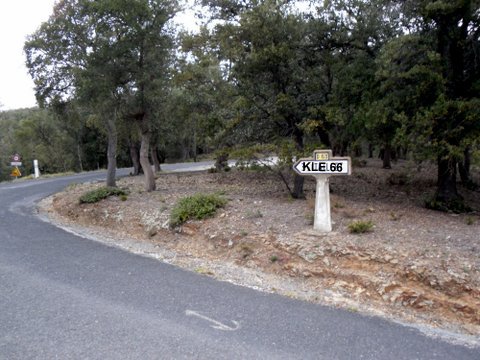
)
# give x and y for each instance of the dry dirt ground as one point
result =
(416, 266)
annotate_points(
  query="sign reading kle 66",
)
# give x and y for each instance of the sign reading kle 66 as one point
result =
(323, 164)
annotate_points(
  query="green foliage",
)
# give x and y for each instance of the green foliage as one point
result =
(199, 206)
(390, 73)
(111, 56)
(455, 205)
(101, 193)
(253, 157)
(398, 178)
(257, 214)
(360, 227)
(470, 220)
(221, 160)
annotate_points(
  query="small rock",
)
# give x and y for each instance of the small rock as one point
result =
(308, 256)
(230, 243)
(152, 232)
(340, 284)
(424, 303)
(188, 230)
(359, 291)
(306, 274)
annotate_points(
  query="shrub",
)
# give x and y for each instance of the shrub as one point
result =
(257, 214)
(360, 227)
(470, 220)
(199, 206)
(398, 178)
(96, 195)
(455, 206)
(221, 160)
(358, 163)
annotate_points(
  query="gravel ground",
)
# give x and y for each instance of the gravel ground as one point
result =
(417, 266)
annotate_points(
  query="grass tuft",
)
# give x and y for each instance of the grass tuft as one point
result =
(199, 206)
(360, 227)
(96, 195)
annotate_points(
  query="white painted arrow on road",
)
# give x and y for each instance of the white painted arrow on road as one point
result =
(216, 324)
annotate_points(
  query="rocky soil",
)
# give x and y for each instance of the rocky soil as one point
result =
(417, 265)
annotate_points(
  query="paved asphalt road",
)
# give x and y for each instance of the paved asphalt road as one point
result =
(65, 297)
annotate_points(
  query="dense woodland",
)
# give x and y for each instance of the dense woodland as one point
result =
(119, 85)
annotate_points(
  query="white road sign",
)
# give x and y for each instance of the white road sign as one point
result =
(323, 167)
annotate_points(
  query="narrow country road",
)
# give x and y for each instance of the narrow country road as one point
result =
(65, 297)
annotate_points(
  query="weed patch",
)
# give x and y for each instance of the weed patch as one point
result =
(199, 206)
(360, 227)
(96, 195)
(253, 214)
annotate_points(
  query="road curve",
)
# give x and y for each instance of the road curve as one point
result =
(65, 297)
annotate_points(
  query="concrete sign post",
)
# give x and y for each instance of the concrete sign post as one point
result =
(322, 166)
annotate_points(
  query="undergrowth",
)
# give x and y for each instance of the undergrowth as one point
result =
(360, 227)
(198, 207)
(96, 195)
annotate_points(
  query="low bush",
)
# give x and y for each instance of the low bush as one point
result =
(96, 195)
(455, 206)
(360, 227)
(198, 207)
(398, 178)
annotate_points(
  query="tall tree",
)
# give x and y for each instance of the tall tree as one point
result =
(262, 45)
(452, 124)
(108, 54)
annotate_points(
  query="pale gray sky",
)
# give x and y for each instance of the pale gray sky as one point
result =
(19, 18)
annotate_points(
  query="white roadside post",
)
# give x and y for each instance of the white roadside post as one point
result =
(36, 169)
(322, 166)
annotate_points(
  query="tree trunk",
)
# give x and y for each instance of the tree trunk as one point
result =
(298, 182)
(464, 168)
(79, 156)
(370, 151)
(112, 152)
(144, 160)
(344, 149)
(135, 156)
(387, 153)
(194, 146)
(155, 160)
(447, 182)
(324, 138)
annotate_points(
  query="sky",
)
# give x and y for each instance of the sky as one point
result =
(18, 19)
